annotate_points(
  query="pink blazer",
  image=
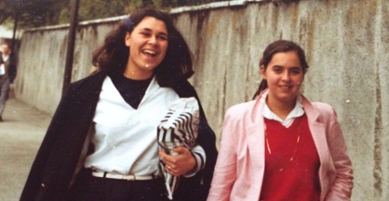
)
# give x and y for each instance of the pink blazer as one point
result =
(240, 167)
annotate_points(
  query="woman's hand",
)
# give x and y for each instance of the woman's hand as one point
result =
(179, 164)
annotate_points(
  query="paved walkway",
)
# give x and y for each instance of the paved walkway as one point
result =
(20, 136)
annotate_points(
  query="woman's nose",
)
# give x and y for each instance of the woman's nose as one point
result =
(286, 76)
(153, 40)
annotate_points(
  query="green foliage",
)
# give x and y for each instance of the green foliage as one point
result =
(34, 13)
(5, 12)
(31, 13)
(96, 9)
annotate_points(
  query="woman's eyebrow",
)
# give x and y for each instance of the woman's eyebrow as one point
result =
(277, 66)
(148, 29)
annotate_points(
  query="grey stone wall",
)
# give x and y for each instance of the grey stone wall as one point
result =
(346, 42)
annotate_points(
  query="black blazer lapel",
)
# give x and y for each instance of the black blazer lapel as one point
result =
(58, 155)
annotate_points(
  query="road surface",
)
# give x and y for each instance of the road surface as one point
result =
(20, 136)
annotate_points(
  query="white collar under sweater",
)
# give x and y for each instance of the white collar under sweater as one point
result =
(125, 139)
(297, 111)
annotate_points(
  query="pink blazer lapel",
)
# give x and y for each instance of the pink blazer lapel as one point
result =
(319, 137)
(256, 144)
(255, 133)
(255, 141)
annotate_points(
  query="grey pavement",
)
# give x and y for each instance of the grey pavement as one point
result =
(20, 136)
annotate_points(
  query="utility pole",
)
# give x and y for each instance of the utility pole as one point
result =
(71, 41)
(16, 19)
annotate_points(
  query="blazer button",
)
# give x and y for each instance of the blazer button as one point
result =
(43, 185)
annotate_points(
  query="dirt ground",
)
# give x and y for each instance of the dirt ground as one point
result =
(20, 136)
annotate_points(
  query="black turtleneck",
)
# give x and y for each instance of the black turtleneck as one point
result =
(132, 91)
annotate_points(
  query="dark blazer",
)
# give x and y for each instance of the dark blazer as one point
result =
(55, 163)
(10, 65)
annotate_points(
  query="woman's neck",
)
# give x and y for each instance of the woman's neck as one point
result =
(137, 74)
(280, 108)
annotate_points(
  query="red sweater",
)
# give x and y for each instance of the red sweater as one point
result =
(291, 169)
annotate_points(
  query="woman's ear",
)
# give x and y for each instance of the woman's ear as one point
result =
(263, 72)
(127, 39)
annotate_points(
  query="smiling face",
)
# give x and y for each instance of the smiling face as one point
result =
(284, 76)
(148, 43)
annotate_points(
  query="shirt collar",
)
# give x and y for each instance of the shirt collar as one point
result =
(5, 58)
(297, 111)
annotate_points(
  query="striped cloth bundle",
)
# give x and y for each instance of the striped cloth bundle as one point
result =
(178, 128)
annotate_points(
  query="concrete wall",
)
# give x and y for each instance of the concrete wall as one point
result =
(42, 61)
(347, 45)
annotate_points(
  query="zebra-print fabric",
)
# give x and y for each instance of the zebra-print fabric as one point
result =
(179, 127)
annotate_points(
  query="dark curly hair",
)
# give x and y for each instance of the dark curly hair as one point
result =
(277, 47)
(176, 65)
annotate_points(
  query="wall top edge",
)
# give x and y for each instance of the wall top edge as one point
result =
(83, 23)
(178, 10)
(213, 5)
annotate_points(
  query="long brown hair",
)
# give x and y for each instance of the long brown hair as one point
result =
(277, 47)
(176, 65)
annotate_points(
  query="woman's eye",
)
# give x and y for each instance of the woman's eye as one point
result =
(162, 37)
(277, 70)
(295, 71)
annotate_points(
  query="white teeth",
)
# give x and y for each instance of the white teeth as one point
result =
(149, 52)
